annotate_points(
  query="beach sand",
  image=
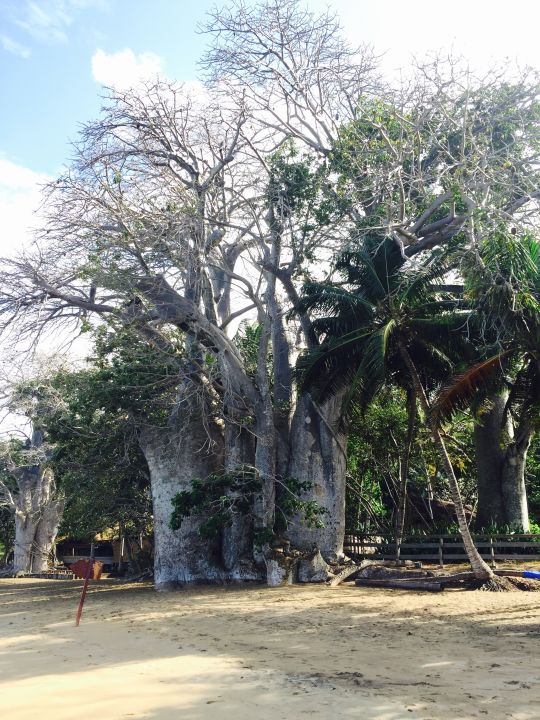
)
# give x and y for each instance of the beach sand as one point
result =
(253, 653)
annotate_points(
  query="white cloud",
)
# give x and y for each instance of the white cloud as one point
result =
(49, 20)
(125, 69)
(13, 47)
(20, 198)
(46, 20)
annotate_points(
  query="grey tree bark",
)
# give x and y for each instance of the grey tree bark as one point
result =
(501, 454)
(190, 447)
(318, 455)
(237, 539)
(514, 493)
(38, 512)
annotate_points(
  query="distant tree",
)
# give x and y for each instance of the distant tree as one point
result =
(97, 458)
(7, 520)
(28, 490)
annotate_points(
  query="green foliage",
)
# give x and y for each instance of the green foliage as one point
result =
(247, 341)
(297, 186)
(12, 453)
(365, 147)
(379, 307)
(92, 418)
(291, 504)
(97, 460)
(135, 376)
(532, 480)
(376, 441)
(503, 280)
(7, 532)
(217, 499)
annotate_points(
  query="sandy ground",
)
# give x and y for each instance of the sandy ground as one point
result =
(260, 654)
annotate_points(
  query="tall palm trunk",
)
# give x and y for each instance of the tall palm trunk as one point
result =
(480, 569)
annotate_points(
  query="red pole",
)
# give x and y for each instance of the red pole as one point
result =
(85, 586)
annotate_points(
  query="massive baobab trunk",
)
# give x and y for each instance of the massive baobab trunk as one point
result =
(501, 454)
(318, 443)
(188, 448)
(514, 492)
(237, 539)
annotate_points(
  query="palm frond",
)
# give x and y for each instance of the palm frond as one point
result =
(461, 390)
(329, 366)
(419, 282)
(359, 270)
(371, 373)
(336, 302)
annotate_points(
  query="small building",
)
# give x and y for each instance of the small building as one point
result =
(115, 553)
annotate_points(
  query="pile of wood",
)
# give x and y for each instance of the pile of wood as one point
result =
(399, 578)
(54, 573)
(390, 575)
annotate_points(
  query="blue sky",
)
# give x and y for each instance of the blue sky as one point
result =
(55, 55)
(46, 49)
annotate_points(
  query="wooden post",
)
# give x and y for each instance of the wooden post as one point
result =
(492, 552)
(441, 552)
(85, 586)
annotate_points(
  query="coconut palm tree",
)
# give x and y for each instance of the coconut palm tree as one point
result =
(390, 321)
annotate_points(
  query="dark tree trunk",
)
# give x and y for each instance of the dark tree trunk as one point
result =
(489, 463)
(237, 539)
(501, 455)
(514, 493)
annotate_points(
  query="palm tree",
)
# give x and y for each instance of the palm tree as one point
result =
(504, 282)
(389, 321)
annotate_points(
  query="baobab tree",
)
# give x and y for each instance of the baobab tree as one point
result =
(28, 487)
(189, 213)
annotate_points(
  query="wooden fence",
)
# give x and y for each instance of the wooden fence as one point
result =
(444, 548)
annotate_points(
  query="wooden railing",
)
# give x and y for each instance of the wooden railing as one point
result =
(445, 548)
